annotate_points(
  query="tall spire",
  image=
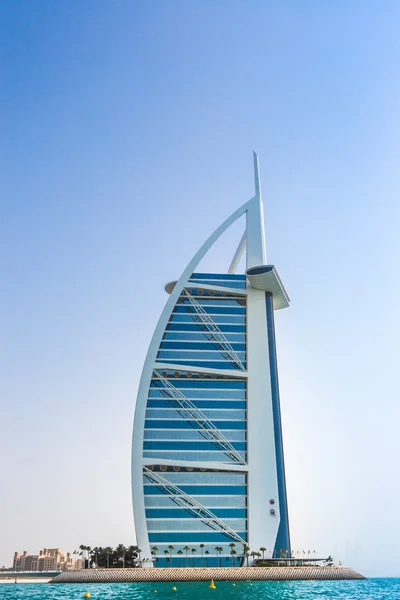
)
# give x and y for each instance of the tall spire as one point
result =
(256, 252)
(257, 182)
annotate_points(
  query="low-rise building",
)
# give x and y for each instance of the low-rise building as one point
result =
(48, 559)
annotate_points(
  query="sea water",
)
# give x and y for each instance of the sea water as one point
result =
(370, 589)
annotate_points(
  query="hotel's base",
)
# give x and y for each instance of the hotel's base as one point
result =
(206, 574)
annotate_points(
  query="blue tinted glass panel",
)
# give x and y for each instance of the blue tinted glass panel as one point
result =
(206, 394)
(196, 327)
(219, 319)
(212, 309)
(217, 455)
(222, 364)
(201, 404)
(198, 354)
(221, 283)
(204, 537)
(189, 434)
(180, 513)
(205, 345)
(212, 502)
(231, 384)
(201, 489)
(180, 413)
(227, 276)
(204, 446)
(217, 477)
(201, 336)
(175, 424)
(190, 525)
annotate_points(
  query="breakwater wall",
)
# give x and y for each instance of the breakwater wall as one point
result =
(206, 574)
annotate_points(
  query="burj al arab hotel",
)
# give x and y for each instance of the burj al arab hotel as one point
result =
(208, 475)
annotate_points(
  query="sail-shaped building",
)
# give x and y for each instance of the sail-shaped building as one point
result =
(208, 476)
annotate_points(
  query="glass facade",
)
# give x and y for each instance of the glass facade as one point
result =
(199, 417)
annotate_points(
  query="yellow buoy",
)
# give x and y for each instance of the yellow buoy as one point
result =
(234, 584)
(86, 595)
(154, 591)
(174, 589)
(212, 585)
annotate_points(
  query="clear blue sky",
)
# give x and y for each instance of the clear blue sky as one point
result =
(127, 130)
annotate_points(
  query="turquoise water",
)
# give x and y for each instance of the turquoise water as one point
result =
(371, 589)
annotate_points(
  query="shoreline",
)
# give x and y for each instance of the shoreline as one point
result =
(18, 580)
(207, 573)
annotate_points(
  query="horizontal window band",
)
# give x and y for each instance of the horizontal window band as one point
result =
(203, 354)
(179, 429)
(207, 501)
(221, 283)
(231, 404)
(205, 345)
(230, 276)
(183, 525)
(204, 364)
(219, 308)
(201, 457)
(206, 537)
(199, 439)
(201, 384)
(199, 391)
(208, 302)
(175, 424)
(202, 478)
(206, 489)
(200, 335)
(188, 445)
(216, 319)
(167, 435)
(193, 327)
(214, 312)
(181, 513)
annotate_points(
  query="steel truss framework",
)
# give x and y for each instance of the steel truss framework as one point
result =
(191, 505)
(201, 423)
(213, 333)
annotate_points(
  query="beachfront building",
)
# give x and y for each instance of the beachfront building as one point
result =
(208, 471)
(48, 559)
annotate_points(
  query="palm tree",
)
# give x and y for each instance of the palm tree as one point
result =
(123, 550)
(96, 553)
(154, 551)
(202, 546)
(139, 551)
(108, 552)
(218, 550)
(206, 553)
(83, 549)
(180, 554)
(246, 550)
(186, 549)
(262, 549)
(232, 546)
(193, 553)
(166, 552)
(233, 552)
(170, 548)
